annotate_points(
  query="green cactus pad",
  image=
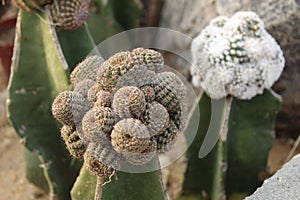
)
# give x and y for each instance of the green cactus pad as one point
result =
(234, 164)
(37, 77)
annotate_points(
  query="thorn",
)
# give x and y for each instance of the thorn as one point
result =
(22, 129)
(21, 91)
(46, 165)
(23, 141)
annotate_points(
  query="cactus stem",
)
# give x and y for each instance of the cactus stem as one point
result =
(224, 130)
(98, 192)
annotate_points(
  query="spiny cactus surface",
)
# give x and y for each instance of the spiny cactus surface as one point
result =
(70, 14)
(130, 123)
(236, 56)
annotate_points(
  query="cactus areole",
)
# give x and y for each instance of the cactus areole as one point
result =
(121, 110)
(235, 56)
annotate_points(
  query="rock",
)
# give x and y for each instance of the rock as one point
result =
(187, 16)
(284, 184)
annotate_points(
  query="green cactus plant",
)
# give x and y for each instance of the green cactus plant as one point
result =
(38, 36)
(246, 63)
(37, 91)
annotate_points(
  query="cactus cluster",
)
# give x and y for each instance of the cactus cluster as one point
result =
(66, 14)
(121, 110)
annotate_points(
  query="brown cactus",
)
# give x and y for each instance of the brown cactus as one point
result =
(87, 69)
(83, 87)
(166, 139)
(98, 123)
(101, 159)
(92, 93)
(130, 136)
(156, 118)
(144, 157)
(169, 90)
(152, 59)
(103, 99)
(129, 102)
(148, 93)
(115, 67)
(69, 108)
(73, 142)
(69, 14)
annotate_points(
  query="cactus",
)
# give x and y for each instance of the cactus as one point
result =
(130, 136)
(244, 66)
(30, 96)
(69, 14)
(45, 41)
(117, 128)
(129, 102)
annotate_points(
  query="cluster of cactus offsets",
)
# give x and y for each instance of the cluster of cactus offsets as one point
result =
(108, 123)
(67, 14)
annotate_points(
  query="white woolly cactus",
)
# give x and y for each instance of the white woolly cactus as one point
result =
(235, 56)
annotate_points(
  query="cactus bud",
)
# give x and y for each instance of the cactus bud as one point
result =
(152, 59)
(178, 116)
(70, 14)
(129, 102)
(83, 87)
(112, 69)
(101, 159)
(69, 108)
(87, 69)
(73, 142)
(92, 93)
(169, 90)
(130, 135)
(98, 123)
(148, 93)
(103, 99)
(166, 139)
(156, 118)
